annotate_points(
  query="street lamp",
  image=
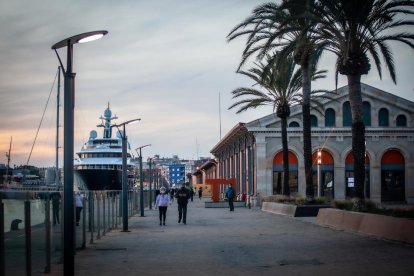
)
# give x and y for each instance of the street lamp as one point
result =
(141, 184)
(319, 171)
(124, 174)
(150, 183)
(68, 153)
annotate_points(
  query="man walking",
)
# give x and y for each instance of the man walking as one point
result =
(230, 194)
(182, 196)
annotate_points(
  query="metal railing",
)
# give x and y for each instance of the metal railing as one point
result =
(31, 238)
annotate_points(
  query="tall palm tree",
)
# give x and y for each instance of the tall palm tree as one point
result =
(278, 86)
(282, 26)
(355, 30)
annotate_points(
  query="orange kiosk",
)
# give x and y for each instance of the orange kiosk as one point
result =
(215, 186)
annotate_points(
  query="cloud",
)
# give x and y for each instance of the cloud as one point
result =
(163, 61)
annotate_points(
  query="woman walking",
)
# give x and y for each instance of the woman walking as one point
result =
(162, 201)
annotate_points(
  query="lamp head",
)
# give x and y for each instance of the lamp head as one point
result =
(80, 38)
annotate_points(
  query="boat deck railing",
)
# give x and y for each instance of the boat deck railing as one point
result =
(31, 239)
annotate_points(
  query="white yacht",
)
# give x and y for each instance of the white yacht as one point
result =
(99, 166)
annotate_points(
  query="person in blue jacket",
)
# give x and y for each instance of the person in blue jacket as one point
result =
(230, 195)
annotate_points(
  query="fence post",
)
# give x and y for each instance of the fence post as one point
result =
(2, 257)
(47, 237)
(99, 194)
(28, 237)
(103, 212)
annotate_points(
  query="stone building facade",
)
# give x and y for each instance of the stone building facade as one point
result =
(252, 152)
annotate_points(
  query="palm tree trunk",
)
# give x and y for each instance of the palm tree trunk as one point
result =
(286, 190)
(358, 136)
(307, 138)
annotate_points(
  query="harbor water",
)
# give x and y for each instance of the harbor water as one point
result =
(14, 209)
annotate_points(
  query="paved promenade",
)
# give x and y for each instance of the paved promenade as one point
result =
(244, 242)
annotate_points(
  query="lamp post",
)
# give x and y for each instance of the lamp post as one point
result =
(319, 171)
(68, 153)
(124, 174)
(141, 184)
(150, 183)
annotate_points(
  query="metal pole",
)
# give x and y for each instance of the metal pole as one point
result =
(98, 215)
(141, 185)
(150, 182)
(68, 217)
(28, 237)
(47, 232)
(124, 183)
(104, 213)
(57, 131)
(2, 258)
(319, 160)
(92, 220)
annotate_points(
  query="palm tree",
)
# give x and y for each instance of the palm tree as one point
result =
(282, 26)
(355, 30)
(279, 87)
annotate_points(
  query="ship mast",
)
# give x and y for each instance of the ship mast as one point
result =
(8, 161)
(107, 124)
(57, 130)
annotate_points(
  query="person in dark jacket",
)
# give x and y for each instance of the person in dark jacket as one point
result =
(230, 195)
(56, 207)
(182, 195)
(200, 193)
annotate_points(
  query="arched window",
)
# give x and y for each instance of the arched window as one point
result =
(329, 117)
(401, 121)
(346, 115)
(314, 121)
(293, 124)
(383, 117)
(366, 110)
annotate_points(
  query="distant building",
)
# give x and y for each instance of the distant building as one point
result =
(252, 152)
(176, 174)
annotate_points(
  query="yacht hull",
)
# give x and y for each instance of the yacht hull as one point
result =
(100, 179)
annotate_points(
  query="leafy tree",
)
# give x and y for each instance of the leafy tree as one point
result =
(278, 86)
(283, 26)
(358, 32)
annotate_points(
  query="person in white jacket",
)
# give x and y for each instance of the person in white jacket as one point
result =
(162, 201)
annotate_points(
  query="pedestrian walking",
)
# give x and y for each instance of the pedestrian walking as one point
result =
(230, 194)
(200, 192)
(172, 193)
(192, 193)
(79, 207)
(182, 196)
(56, 207)
(161, 202)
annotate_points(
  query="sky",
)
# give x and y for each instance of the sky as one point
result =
(165, 61)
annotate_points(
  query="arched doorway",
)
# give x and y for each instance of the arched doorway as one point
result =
(325, 162)
(278, 173)
(349, 176)
(392, 176)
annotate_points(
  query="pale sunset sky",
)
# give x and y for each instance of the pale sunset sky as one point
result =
(164, 61)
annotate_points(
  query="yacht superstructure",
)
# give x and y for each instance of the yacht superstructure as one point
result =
(99, 165)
